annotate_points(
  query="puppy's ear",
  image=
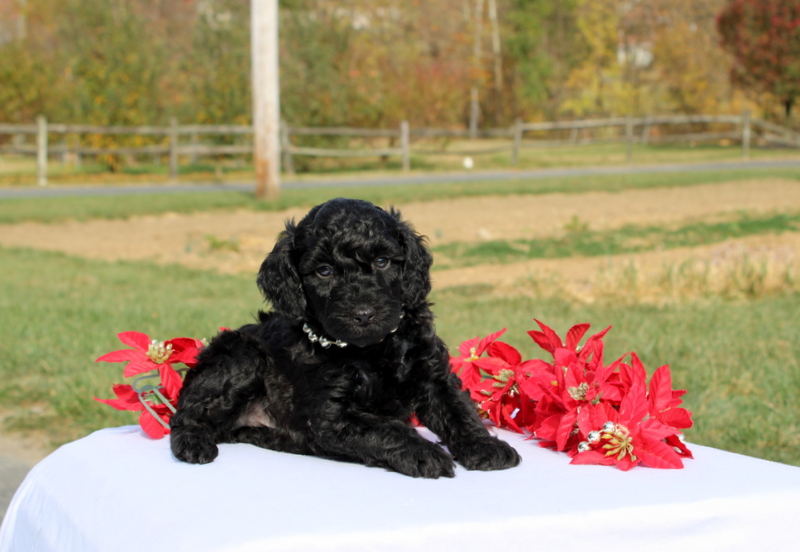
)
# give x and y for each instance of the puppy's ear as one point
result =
(279, 280)
(416, 269)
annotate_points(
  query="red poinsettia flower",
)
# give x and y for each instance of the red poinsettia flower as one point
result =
(598, 414)
(664, 405)
(576, 377)
(498, 393)
(148, 355)
(471, 350)
(157, 404)
(548, 339)
(149, 359)
(625, 437)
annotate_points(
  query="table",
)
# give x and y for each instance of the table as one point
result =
(117, 490)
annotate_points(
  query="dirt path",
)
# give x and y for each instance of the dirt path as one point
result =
(238, 242)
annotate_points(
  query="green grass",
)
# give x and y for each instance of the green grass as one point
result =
(61, 313)
(628, 239)
(736, 358)
(81, 208)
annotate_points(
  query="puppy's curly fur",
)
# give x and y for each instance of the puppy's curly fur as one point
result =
(352, 272)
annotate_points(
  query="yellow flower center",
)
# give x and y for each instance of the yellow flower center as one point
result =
(502, 379)
(619, 442)
(473, 354)
(578, 393)
(158, 352)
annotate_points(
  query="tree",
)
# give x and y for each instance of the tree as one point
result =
(764, 38)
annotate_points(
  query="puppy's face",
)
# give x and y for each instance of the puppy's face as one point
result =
(355, 267)
(350, 268)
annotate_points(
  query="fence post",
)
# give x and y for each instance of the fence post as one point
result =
(173, 148)
(195, 140)
(628, 137)
(286, 147)
(745, 134)
(517, 130)
(573, 135)
(41, 150)
(474, 113)
(645, 137)
(404, 145)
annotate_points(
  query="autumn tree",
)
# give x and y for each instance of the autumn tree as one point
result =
(764, 38)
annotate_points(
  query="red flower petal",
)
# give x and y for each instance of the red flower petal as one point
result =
(491, 365)
(653, 430)
(575, 334)
(138, 340)
(679, 418)
(507, 410)
(658, 454)
(127, 398)
(123, 355)
(564, 357)
(593, 345)
(633, 407)
(466, 347)
(504, 351)
(550, 333)
(548, 427)
(486, 341)
(185, 350)
(151, 426)
(676, 443)
(592, 457)
(565, 427)
(140, 366)
(660, 395)
(171, 380)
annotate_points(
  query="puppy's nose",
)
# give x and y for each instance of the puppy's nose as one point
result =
(363, 315)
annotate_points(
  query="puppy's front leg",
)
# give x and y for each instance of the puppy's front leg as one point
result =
(229, 374)
(378, 441)
(450, 413)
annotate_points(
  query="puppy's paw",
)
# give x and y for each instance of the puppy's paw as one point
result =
(193, 448)
(486, 454)
(423, 460)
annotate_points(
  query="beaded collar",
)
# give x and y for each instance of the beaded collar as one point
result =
(324, 342)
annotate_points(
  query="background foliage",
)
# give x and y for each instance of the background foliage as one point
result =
(376, 62)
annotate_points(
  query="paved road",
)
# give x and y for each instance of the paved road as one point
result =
(61, 191)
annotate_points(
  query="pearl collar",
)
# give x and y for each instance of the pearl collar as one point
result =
(324, 342)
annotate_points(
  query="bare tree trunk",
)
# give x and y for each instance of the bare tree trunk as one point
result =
(497, 58)
(474, 108)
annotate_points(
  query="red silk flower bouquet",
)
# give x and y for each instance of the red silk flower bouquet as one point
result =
(595, 413)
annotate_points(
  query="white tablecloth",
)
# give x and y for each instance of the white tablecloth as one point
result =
(117, 490)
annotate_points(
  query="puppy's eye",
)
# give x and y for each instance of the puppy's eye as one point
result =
(324, 271)
(382, 263)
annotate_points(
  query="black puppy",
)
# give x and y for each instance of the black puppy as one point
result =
(346, 358)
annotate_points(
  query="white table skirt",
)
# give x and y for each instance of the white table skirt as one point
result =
(117, 490)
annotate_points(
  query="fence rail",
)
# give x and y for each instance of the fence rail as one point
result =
(628, 130)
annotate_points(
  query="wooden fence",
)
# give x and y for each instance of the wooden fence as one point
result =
(171, 139)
